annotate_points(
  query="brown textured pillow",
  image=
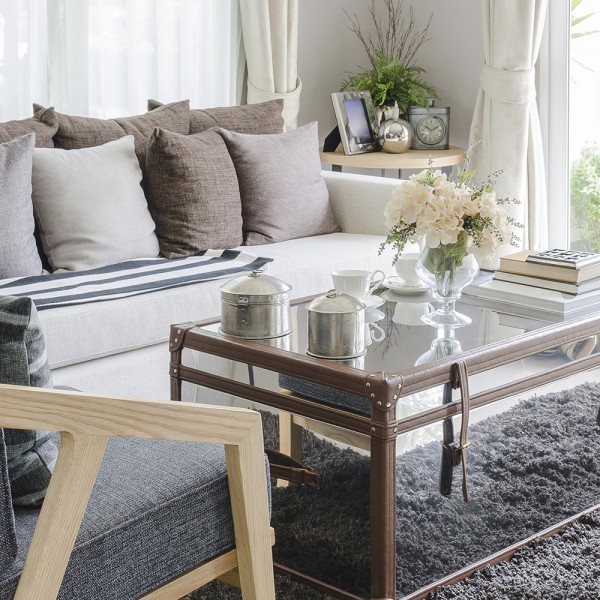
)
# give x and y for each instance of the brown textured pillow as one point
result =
(85, 132)
(264, 117)
(283, 193)
(192, 193)
(44, 124)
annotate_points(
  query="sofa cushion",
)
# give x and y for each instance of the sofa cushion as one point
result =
(192, 193)
(264, 117)
(84, 132)
(31, 455)
(90, 207)
(158, 508)
(283, 193)
(76, 334)
(18, 251)
(44, 124)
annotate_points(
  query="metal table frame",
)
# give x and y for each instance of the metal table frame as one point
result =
(383, 390)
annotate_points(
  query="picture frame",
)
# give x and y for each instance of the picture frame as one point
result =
(356, 121)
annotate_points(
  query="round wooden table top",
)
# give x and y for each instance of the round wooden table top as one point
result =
(411, 159)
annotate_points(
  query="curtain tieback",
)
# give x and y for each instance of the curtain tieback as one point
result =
(515, 87)
(291, 101)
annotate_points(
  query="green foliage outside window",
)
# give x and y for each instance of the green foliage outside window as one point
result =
(585, 201)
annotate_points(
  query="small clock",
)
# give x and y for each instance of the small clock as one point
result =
(431, 127)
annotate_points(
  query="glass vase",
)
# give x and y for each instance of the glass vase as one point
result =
(447, 269)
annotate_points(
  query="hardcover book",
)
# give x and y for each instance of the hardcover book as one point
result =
(550, 284)
(518, 263)
(533, 297)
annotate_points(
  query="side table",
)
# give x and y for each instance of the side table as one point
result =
(411, 159)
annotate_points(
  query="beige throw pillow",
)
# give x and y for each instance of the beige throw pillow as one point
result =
(90, 207)
(264, 117)
(283, 193)
(192, 192)
(84, 132)
(44, 124)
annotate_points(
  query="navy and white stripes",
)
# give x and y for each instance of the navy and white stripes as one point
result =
(130, 278)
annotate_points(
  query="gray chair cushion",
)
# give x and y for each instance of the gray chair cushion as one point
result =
(158, 508)
(31, 455)
(43, 123)
(19, 255)
(8, 537)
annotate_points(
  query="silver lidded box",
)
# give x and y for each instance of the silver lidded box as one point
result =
(255, 306)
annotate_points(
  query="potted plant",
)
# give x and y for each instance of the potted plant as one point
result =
(393, 75)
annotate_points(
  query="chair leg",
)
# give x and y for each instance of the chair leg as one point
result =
(249, 505)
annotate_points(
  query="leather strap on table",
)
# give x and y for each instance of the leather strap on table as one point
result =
(454, 454)
(285, 467)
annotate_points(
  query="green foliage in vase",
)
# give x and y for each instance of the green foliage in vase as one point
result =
(446, 257)
(390, 81)
(585, 199)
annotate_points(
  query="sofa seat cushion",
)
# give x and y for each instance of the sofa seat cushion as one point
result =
(75, 334)
(157, 508)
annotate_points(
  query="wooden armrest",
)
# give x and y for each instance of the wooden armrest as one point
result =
(86, 422)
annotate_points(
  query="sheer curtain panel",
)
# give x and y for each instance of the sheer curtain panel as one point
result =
(271, 44)
(506, 120)
(23, 56)
(105, 58)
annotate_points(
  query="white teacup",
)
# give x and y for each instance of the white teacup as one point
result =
(355, 282)
(405, 267)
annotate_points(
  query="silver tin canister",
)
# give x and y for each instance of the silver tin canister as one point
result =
(255, 306)
(336, 326)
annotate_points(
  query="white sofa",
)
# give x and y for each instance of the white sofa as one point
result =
(120, 346)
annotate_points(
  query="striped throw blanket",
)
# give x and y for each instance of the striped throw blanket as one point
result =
(130, 278)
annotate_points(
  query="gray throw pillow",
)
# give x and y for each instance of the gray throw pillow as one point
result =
(44, 124)
(264, 117)
(19, 255)
(283, 193)
(192, 193)
(31, 455)
(84, 132)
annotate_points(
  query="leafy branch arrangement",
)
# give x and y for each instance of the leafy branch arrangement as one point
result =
(393, 76)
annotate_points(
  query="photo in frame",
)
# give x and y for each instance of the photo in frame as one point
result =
(356, 121)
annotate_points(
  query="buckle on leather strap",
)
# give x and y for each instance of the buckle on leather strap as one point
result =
(285, 467)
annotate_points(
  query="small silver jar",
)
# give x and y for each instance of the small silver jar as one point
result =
(336, 326)
(255, 306)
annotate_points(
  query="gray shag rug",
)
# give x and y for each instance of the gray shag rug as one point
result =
(529, 467)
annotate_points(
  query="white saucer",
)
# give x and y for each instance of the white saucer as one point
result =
(372, 301)
(397, 285)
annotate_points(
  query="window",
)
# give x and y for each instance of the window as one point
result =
(570, 95)
(107, 57)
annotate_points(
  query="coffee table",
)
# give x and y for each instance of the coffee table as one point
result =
(487, 367)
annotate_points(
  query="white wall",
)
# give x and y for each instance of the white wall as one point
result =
(327, 51)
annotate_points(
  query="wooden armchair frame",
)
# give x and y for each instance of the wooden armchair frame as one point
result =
(86, 423)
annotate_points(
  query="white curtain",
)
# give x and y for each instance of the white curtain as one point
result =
(506, 120)
(105, 58)
(270, 29)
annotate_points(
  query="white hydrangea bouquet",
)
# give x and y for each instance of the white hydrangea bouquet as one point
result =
(448, 217)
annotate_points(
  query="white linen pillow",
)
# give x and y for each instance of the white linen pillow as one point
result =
(90, 207)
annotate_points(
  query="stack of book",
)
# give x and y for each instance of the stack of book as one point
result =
(559, 281)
